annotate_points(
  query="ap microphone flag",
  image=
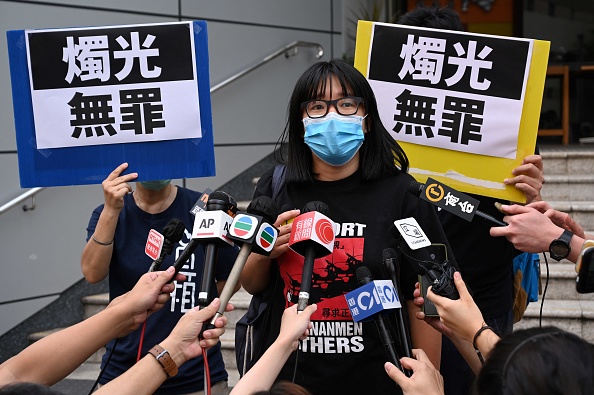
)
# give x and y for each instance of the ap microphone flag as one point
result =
(371, 298)
(212, 226)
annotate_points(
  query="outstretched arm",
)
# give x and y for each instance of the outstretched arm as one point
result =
(532, 231)
(57, 355)
(470, 317)
(463, 318)
(559, 218)
(294, 327)
(182, 344)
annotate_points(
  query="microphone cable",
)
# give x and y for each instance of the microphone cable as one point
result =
(141, 341)
(207, 389)
(104, 366)
(544, 292)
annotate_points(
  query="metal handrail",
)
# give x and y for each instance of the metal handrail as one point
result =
(289, 50)
(29, 194)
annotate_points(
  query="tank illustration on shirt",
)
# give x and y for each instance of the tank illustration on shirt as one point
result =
(333, 276)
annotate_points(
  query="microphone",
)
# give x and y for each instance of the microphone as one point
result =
(210, 228)
(390, 259)
(172, 233)
(455, 202)
(200, 204)
(370, 300)
(312, 236)
(255, 230)
(431, 262)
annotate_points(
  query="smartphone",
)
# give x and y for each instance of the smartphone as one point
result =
(428, 307)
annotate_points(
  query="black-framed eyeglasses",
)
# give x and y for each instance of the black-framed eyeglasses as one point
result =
(318, 108)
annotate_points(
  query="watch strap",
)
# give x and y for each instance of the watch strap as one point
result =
(566, 236)
(163, 357)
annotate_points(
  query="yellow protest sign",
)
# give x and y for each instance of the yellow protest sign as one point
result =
(464, 107)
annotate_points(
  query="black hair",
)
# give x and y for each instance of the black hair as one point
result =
(433, 17)
(544, 360)
(379, 155)
(285, 388)
(27, 389)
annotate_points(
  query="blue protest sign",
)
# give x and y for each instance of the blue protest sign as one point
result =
(88, 99)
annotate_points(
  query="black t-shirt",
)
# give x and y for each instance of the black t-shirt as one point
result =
(485, 262)
(341, 356)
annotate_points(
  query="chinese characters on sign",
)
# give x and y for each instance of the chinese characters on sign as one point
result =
(444, 197)
(88, 99)
(450, 90)
(113, 85)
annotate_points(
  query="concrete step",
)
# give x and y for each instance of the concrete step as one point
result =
(562, 278)
(573, 187)
(560, 161)
(576, 316)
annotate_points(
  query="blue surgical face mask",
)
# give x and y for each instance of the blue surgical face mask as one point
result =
(155, 185)
(335, 138)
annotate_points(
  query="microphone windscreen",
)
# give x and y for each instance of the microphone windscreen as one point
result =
(219, 200)
(363, 275)
(416, 188)
(172, 233)
(264, 207)
(285, 207)
(178, 232)
(316, 205)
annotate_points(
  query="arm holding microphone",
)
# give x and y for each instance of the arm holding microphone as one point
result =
(261, 376)
(52, 358)
(559, 218)
(426, 380)
(182, 344)
(462, 321)
(532, 228)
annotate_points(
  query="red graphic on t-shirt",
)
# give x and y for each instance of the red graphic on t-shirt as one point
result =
(333, 276)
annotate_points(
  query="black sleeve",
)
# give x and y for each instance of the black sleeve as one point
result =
(264, 185)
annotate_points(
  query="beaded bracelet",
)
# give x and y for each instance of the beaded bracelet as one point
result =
(100, 242)
(476, 335)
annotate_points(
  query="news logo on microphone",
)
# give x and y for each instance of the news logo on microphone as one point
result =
(254, 230)
(154, 244)
(312, 226)
(449, 199)
(212, 226)
(371, 298)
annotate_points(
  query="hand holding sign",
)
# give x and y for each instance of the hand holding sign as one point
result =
(116, 186)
